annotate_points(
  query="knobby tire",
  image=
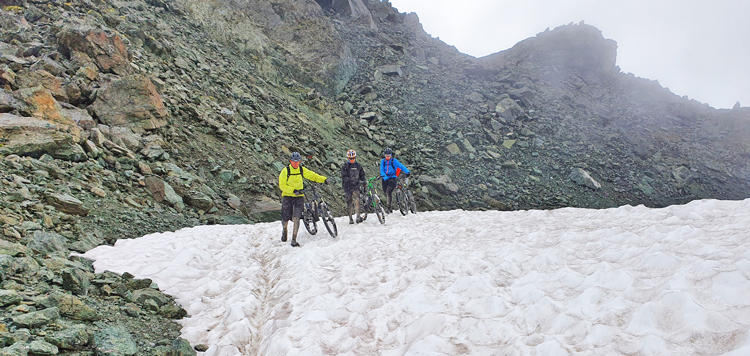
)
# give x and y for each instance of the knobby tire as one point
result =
(308, 220)
(328, 220)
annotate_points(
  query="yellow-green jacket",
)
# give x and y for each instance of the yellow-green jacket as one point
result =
(294, 182)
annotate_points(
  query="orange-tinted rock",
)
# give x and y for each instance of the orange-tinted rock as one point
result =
(28, 79)
(107, 51)
(40, 103)
(131, 101)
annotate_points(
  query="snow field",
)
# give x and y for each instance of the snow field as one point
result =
(623, 281)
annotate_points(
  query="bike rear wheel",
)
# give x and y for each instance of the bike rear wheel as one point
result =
(379, 211)
(411, 202)
(328, 220)
(308, 219)
(401, 201)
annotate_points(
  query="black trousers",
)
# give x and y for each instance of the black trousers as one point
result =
(388, 187)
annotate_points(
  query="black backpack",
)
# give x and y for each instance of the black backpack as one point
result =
(289, 172)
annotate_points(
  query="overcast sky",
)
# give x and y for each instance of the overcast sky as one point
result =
(698, 48)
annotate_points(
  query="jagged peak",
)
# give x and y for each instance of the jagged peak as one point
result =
(572, 46)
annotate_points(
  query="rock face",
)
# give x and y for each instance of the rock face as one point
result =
(133, 102)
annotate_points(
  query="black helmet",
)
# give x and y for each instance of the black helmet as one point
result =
(295, 157)
(388, 151)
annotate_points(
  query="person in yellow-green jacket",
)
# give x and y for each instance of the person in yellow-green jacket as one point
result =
(292, 200)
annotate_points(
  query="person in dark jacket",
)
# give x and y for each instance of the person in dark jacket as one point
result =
(389, 170)
(352, 177)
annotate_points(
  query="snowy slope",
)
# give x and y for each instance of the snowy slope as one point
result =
(630, 280)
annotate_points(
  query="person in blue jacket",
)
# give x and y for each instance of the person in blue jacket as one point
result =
(388, 167)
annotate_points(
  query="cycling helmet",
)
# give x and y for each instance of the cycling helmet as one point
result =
(388, 151)
(295, 157)
(351, 153)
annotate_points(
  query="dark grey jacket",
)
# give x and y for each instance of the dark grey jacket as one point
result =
(352, 175)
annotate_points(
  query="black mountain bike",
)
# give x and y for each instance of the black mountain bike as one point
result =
(404, 197)
(315, 209)
(370, 201)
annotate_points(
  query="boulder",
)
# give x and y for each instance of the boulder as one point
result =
(27, 136)
(67, 204)
(682, 175)
(38, 318)
(390, 71)
(73, 307)
(131, 101)
(453, 149)
(32, 78)
(47, 243)
(508, 109)
(76, 337)
(199, 200)
(466, 146)
(108, 51)
(264, 209)
(9, 297)
(76, 281)
(114, 341)
(442, 184)
(581, 177)
(42, 348)
(156, 187)
(41, 104)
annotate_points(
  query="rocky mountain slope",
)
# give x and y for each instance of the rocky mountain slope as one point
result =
(121, 118)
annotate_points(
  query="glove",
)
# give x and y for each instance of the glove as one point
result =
(327, 182)
(406, 175)
(297, 192)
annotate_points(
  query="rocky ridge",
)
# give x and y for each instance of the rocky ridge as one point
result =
(119, 119)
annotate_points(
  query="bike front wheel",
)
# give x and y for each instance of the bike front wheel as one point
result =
(328, 220)
(379, 211)
(411, 202)
(364, 206)
(308, 219)
(401, 201)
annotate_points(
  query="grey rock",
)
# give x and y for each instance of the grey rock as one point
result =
(181, 347)
(453, 149)
(37, 319)
(76, 281)
(47, 243)
(142, 296)
(581, 177)
(466, 146)
(67, 204)
(510, 164)
(114, 341)
(153, 152)
(42, 348)
(171, 196)
(76, 337)
(199, 200)
(442, 184)
(9, 297)
(72, 307)
(509, 109)
(682, 175)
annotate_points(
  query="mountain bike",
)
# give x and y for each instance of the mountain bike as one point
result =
(370, 201)
(404, 197)
(316, 209)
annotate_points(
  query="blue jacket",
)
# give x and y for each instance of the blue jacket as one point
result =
(388, 170)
